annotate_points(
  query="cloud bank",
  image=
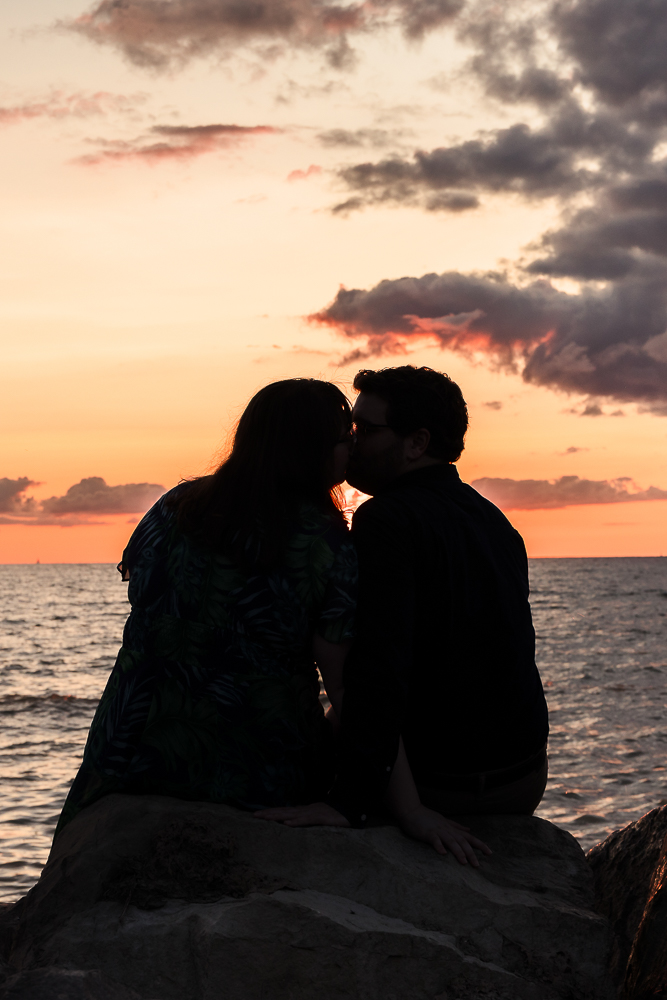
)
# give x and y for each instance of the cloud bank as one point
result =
(568, 491)
(173, 142)
(89, 496)
(92, 495)
(162, 34)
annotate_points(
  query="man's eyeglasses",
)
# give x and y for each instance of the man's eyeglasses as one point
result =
(363, 427)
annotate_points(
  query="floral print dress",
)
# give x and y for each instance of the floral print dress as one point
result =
(214, 694)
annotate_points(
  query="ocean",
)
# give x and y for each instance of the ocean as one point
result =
(601, 648)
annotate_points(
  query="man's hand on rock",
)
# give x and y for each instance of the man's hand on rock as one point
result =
(315, 814)
(443, 834)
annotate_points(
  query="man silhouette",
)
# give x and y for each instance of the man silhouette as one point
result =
(443, 711)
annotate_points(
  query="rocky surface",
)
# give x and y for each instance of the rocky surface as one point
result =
(194, 901)
(630, 873)
(64, 984)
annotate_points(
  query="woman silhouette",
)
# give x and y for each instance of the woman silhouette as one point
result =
(238, 581)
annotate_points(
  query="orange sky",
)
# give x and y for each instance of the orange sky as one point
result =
(146, 295)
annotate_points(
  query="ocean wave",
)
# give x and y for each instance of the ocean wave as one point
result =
(20, 701)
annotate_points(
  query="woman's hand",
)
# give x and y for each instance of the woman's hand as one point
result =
(443, 834)
(315, 814)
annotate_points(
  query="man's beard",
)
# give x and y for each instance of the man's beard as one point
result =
(372, 473)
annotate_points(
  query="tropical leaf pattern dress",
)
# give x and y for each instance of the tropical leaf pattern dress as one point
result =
(214, 694)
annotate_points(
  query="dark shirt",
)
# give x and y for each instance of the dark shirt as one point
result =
(445, 647)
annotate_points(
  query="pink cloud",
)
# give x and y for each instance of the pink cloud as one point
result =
(302, 175)
(59, 105)
(173, 142)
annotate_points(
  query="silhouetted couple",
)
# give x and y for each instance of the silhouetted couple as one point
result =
(418, 620)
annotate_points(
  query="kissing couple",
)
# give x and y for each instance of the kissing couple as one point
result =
(246, 581)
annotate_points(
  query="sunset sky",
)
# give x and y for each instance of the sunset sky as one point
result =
(201, 196)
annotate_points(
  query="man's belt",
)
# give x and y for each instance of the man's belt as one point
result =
(482, 781)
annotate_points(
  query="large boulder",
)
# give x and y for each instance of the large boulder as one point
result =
(630, 875)
(64, 984)
(195, 901)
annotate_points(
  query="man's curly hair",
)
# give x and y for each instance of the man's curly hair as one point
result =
(421, 397)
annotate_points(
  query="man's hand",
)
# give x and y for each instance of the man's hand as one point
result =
(315, 814)
(443, 834)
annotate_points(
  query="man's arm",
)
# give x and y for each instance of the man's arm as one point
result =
(416, 820)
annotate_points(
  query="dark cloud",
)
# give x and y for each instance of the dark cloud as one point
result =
(60, 105)
(592, 410)
(493, 404)
(602, 342)
(539, 52)
(572, 450)
(173, 142)
(534, 494)
(604, 245)
(357, 138)
(576, 150)
(92, 495)
(11, 494)
(506, 42)
(596, 73)
(168, 33)
(618, 49)
(515, 159)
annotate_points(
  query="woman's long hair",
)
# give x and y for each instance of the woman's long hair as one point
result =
(280, 457)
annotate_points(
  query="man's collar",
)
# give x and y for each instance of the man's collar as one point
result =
(429, 474)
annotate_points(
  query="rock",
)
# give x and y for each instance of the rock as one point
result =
(646, 975)
(623, 868)
(64, 984)
(196, 901)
